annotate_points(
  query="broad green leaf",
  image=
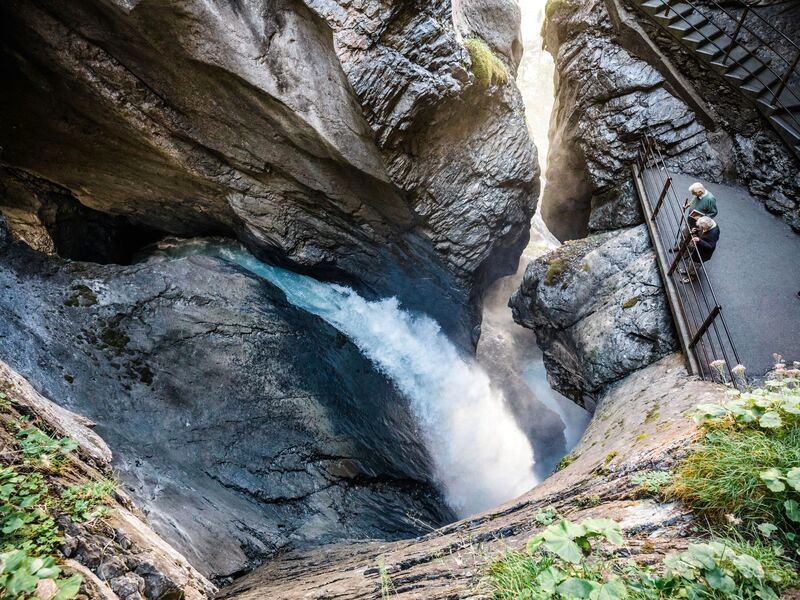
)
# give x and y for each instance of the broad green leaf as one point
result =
(717, 580)
(613, 589)
(748, 566)
(772, 479)
(793, 478)
(712, 410)
(770, 420)
(767, 529)
(605, 527)
(792, 510)
(13, 524)
(550, 578)
(68, 588)
(701, 555)
(558, 539)
(791, 406)
(576, 588)
(534, 543)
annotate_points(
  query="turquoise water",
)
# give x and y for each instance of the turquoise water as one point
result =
(481, 457)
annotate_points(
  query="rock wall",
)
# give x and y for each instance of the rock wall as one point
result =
(240, 425)
(642, 424)
(119, 557)
(351, 140)
(606, 98)
(599, 311)
(618, 76)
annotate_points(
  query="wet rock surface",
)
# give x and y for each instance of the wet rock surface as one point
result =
(239, 424)
(642, 423)
(119, 556)
(369, 154)
(599, 311)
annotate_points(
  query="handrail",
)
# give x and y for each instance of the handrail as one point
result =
(781, 80)
(738, 63)
(704, 334)
(754, 7)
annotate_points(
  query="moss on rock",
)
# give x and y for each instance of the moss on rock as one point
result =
(486, 66)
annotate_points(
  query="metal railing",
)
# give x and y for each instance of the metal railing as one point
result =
(703, 333)
(775, 88)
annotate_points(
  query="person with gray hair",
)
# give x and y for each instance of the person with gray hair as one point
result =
(702, 201)
(705, 236)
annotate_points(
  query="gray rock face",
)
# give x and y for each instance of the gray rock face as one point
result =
(367, 155)
(606, 97)
(599, 311)
(462, 154)
(239, 424)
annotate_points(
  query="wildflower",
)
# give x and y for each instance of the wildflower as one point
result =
(780, 366)
(717, 365)
(738, 370)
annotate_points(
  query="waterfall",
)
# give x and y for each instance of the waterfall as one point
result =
(481, 457)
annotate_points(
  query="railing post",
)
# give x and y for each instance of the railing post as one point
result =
(704, 327)
(736, 34)
(679, 254)
(785, 79)
(663, 195)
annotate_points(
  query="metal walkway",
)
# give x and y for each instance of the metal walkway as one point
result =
(726, 40)
(745, 305)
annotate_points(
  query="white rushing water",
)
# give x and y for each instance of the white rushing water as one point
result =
(480, 455)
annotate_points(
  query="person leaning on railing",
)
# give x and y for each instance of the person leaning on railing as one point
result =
(705, 236)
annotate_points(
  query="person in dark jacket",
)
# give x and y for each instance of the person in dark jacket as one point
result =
(704, 241)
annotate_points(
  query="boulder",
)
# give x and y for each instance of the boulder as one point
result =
(599, 311)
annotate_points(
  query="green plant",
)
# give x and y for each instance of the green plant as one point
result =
(84, 502)
(568, 560)
(37, 445)
(20, 575)
(711, 570)
(487, 68)
(555, 566)
(555, 268)
(651, 482)
(545, 516)
(387, 587)
(566, 461)
(5, 402)
(25, 522)
(745, 465)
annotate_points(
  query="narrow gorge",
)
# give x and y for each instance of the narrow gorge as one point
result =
(335, 299)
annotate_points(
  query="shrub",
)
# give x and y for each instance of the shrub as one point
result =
(567, 560)
(487, 68)
(745, 466)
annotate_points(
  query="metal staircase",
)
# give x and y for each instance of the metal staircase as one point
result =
(726, 40)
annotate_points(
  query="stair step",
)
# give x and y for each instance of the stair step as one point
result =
(745, 70)
(654, 6)
(789, 101)
(709, 31)
(737, 54)
(765, 82)
(692, 21)
(787, 126)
